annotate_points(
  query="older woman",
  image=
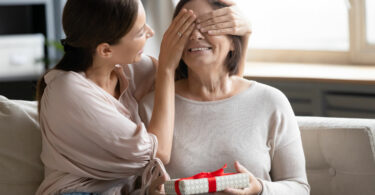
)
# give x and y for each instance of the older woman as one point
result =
(221, 117)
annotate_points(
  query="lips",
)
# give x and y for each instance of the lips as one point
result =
(195, 49)
(195, 46)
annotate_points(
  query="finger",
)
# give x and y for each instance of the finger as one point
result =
(175, 22)
(165, 178)
(219, 26)
(187, 24)
(234, 191)
(216, 20)
(240, 168)
(178, 17)
(213, 14)
(187, 34)
(226, 31)
(154, 61)
(185, 19)
(228, 2)
(155, 185)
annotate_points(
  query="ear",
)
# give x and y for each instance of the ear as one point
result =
(104, 50)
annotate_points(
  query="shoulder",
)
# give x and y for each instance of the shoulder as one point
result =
(66, 81)
(268, 96)
(64, 86)
(259, 89)
(270, 92)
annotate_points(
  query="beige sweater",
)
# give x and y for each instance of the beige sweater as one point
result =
(256, 127)
(93, 142)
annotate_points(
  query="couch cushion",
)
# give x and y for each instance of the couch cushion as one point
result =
(21, 170)
(340, 155)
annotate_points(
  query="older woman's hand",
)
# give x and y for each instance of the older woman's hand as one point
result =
(228, 20)
(254, 188)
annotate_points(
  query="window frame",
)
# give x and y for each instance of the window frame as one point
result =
(360, 52)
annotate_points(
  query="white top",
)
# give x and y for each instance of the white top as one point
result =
(257, 127)
(93, 142)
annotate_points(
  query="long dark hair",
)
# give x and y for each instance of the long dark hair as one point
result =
(233, 57)
(88, 23)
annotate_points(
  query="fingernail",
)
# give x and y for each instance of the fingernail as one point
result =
(198, 20)
(198, 26)
(117, 65)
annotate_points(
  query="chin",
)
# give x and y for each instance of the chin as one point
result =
(199, 63)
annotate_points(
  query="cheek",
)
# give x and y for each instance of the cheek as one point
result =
(135, 47)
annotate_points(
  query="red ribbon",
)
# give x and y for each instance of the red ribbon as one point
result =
(211, 179)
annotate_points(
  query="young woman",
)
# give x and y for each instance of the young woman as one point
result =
(93, 139)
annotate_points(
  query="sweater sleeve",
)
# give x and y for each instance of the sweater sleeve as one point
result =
(85, 135)
(288, 169)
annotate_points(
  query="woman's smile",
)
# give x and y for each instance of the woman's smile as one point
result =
(199, 48)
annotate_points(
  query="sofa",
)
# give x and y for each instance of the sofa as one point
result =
(340, 152)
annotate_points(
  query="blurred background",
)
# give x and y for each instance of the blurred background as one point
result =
(320, 53)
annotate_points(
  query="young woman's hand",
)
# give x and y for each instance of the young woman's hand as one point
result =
(175, 39)
(224, 21)
(254, 188)
(157, 186)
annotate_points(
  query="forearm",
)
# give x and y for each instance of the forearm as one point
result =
(288, 170)
(285, 188)
(162, 120)
(241, 66)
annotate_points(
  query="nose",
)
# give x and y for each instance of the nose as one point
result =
(150, 31)
(196, 35)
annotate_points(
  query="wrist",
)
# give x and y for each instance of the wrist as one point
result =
(259, 187)
(166, 71)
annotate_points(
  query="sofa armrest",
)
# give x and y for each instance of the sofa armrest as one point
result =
(340, 154)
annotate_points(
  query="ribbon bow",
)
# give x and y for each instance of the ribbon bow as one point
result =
(209, 175)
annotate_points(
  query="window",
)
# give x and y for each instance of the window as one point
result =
(299, 24)
(370, 21)
(317, 31)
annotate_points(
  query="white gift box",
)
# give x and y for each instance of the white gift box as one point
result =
(199, 186)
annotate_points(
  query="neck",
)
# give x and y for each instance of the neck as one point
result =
(210, 85)
(101, 74)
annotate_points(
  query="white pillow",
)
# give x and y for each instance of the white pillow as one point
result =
(21, 169)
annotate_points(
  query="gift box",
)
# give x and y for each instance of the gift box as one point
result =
(207, 182)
